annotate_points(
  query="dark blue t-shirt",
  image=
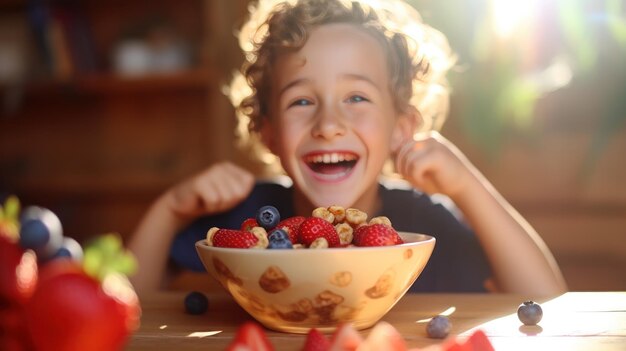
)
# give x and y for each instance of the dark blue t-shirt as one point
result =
(457, 264)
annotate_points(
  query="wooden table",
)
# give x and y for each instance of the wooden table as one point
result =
(573, 321)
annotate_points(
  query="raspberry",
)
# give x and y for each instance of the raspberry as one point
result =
(313, 228)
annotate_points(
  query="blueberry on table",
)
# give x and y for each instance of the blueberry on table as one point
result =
(268, 217)
(41, 231)
(529, 313)
(438, 327)
(196, 303)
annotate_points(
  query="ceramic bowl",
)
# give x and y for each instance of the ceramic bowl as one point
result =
(295, 290)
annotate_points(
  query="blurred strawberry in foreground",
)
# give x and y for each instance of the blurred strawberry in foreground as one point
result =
(18, 272)
(18, 267)
(85, 306)
(383, 337)
(250, 337)
(55, 297)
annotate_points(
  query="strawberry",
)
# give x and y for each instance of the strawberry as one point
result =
(71, 310)
(454, 344)
(479, 341)
(313, 228)
(234, 238)
(18, 272)
(13, 328)
(316, 341)
(344, 338)
(248, 224)
(250, 337)
(376, 235)
(292, 227)
(384, 336)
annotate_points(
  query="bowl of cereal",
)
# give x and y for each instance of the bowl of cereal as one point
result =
(318, 282)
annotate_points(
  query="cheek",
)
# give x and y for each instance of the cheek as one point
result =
(376, 134)
(288, 136)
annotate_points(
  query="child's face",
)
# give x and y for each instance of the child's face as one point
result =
(332, 120)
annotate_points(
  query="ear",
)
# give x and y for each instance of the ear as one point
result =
(404, 128)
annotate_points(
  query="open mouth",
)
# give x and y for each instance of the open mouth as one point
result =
(331, 165)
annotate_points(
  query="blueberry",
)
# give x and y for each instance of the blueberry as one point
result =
(279, 239)
(196, 303)
(529, 313)
(41, 231)
(69, 249)
(438, 327)
(268, 217)
(278, 234)
(280, 244)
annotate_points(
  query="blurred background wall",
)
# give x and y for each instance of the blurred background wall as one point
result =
(106, 104)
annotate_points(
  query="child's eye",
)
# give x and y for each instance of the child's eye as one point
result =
(356, 98)
(300, 102)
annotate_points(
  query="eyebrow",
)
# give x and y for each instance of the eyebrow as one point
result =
(356, 76)
(292, 84)
(349, 76)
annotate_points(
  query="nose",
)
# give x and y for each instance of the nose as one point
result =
(329, 123)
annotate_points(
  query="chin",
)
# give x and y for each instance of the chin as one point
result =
(334, 199)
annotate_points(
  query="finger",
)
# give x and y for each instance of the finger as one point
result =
(409, 155)
(238, 182)
(421, 169)
(234, 191)
(401, 155)
(412, 169)
(242, 178)
(210, 194)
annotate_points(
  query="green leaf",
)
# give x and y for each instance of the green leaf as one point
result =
(12, 209)
(106, 254)
(93, 261)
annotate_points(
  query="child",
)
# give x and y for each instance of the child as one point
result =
(336, 89)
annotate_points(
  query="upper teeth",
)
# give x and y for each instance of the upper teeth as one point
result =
(333, 157)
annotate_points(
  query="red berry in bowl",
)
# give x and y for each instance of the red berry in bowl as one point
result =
(313, 228)
(376, 235)
(248, 224)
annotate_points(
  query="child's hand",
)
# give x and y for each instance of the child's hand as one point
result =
(433, 164)
(216, 189)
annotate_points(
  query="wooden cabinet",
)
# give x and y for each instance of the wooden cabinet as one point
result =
(97, 146)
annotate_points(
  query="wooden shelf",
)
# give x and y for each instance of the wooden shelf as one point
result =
(111, 83)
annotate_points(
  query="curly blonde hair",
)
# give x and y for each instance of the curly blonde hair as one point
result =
(418, 56)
